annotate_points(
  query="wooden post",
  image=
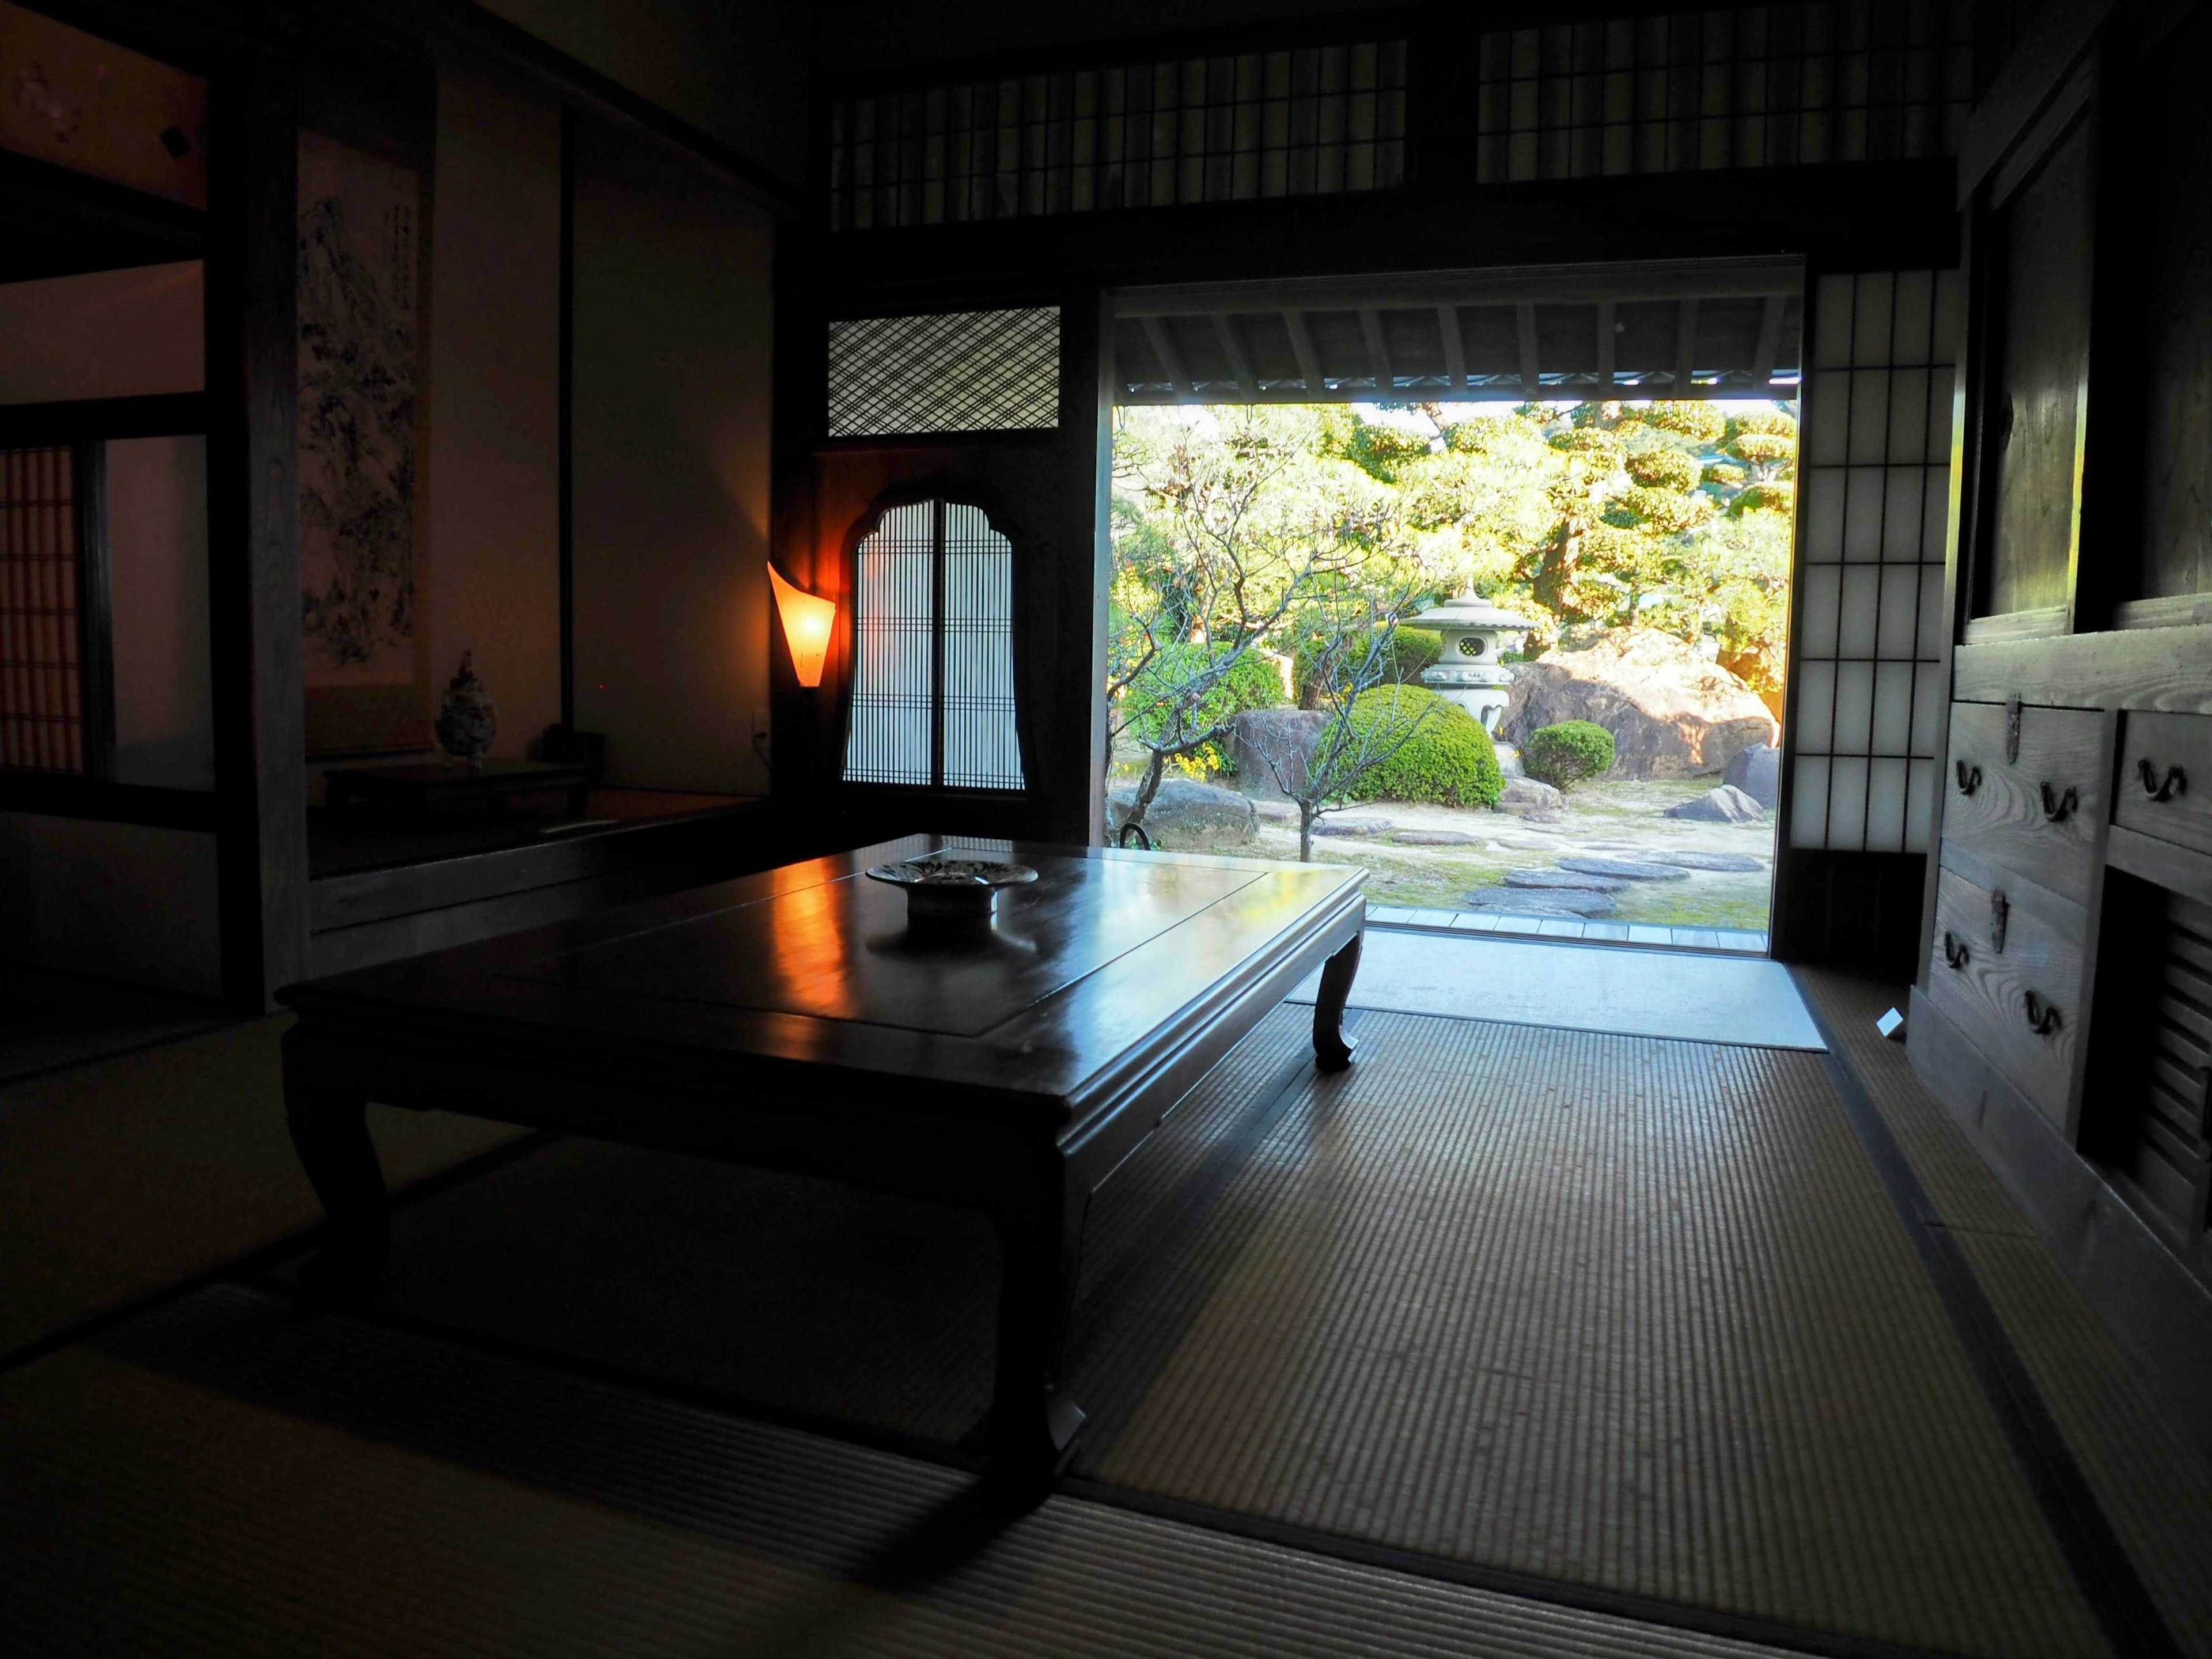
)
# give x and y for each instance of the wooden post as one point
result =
(253, 550)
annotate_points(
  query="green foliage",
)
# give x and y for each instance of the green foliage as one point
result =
(1430, 749)
(1663, 469)
(1413, 649)
(1188, 680)
(1569, 753)
(1725, 475)
(1780, 496)
(1693, 418)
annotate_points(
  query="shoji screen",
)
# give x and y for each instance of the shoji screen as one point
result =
(1875, 449)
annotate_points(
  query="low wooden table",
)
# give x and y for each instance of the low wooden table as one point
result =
(425, 784)
(788, 1021)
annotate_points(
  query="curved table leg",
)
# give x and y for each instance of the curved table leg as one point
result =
(1332, 1048)
(330, 1131)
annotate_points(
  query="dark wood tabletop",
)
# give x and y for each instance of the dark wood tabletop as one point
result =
(790, 1019)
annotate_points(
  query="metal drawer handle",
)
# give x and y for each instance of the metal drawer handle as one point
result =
(2058, 808)
(2175, 782)
(2000, 920)
(1956, 951)
(1970, 777)
(2042, 1017)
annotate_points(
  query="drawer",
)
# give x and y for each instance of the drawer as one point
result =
(2165, 786)
(2013, 988)
(2038, 812)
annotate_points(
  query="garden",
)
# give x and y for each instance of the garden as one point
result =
(1273, 690)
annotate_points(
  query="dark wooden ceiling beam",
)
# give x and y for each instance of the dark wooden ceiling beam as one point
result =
(1232, 348)
(1769, 341)
(1302, 346)
(1455, 346)
(1532, 373)
(1378, 351)
(1686, 348)
(1179, 380)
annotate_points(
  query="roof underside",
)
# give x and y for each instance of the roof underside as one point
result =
(1721, 345)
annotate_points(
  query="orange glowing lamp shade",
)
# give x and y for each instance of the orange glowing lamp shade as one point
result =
(806, 619)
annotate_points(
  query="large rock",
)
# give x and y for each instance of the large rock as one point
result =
(1725, 805)
(1672, 713)
(1756, 770)
(1270, 747)
(1187, 814)
(1524, 796)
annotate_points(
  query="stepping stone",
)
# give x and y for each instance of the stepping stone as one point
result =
(1435, 838)
(1355, 827)
(1728, 861)
(1612, 846)
(1564, 902)
(1563, 880)
(1625, 869)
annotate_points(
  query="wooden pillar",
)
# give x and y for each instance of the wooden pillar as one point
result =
(253, 551)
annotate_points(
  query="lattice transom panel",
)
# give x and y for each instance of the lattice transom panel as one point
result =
(963, 371)
(1796, 82)
(1310, 120)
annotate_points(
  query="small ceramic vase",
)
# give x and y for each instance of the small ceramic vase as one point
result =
(467, 722)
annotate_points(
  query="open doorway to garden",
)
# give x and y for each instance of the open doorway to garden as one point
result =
(1522, 661)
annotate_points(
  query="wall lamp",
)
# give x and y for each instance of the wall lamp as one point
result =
(806, 620)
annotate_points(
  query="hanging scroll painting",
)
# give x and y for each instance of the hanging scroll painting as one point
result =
(360, 309)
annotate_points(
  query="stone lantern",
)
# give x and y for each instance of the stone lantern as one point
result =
(1476, 635)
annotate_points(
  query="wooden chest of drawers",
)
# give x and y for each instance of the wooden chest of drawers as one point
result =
(2165, 786)
(2030, 796)
(2006, 970)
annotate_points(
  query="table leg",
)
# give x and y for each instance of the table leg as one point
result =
(330, 1131)
(1031, 1422)
(1332, 1048)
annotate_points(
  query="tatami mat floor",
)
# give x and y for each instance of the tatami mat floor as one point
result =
(232, 1480)
(1627, 1324)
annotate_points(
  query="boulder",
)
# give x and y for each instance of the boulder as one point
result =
(1514, 901)
(1435, 838)
(1624, 869)
(1270, 747)
(1672, 713)
(1725, 805)
(1726, 863)
(1508, 760)
(1187, 814)
(1556, 880)
(1522, 796)
(1757, 770)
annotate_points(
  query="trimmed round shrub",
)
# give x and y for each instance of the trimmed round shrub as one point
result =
(1434, 751)
(1662, 469)
(1253, 681)
(1409, 651)
(1413, 649)
(1567, 754)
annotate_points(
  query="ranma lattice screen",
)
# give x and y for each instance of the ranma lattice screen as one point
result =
(957, 371)
(1805, 81)
(1310, 120)
(1873, 459)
